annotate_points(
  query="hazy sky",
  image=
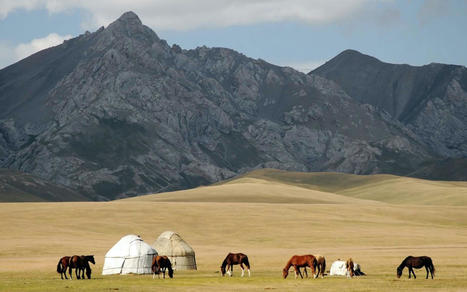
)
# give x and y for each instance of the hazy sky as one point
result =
(299, 33)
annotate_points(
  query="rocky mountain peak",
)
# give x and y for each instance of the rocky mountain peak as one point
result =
(129, 18)
(130, 26)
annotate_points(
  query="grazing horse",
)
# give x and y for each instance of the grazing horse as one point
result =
(62, 266)
(81, 263)
(349, 267)
(416, 262)
(235, 259)
(161, 263)
(299, 262)
(321, 265)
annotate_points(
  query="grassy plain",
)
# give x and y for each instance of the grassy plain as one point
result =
(268, 218)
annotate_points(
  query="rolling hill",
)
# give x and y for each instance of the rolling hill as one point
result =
(277, 186)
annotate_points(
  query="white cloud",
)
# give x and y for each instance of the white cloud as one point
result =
(10, 53)
(305, 66)
(23, 50)
(7, 55)
(192, 14)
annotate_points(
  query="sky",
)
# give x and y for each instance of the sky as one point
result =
(302, 34)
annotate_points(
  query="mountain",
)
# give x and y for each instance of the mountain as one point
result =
(22, 187)
(119, 113)
(430, 100)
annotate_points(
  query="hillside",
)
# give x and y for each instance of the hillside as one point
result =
(22, 187)
(118, 113)
(276, 186)
(430, 100)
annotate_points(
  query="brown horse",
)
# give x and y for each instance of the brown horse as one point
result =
(349, 266)
(298, 262)
(62, 266)
(416, 262)
(161, 263)
(81, 263)
(235, 259)
(321, 265)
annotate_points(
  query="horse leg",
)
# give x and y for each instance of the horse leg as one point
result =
(231, 270)
(306, 273)
(243, 269)
(427, 272)
(70, 272)
(299, 272)
(411, 271)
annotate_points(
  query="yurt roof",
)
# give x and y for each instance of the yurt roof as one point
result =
(130, 246)
(171, 244)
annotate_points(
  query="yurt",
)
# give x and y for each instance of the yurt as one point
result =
(181, 255)
(130, 255)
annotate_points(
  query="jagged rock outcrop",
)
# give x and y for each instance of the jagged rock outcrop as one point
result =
(430, 100)
(119, 112)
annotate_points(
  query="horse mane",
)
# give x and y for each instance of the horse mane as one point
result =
(403, 263)
(224, 263)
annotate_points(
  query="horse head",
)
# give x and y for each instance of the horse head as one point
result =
(285, 272)
(91, 259)
(171, 272)
(399, 272)
(223, 270)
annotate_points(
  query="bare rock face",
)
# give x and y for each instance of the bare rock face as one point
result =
(119, 113)
(430, 100)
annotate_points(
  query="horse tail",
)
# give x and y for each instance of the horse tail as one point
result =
(432, 267)
(59, 266)
(154, 267)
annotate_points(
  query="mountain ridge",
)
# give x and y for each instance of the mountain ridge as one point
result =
(130, 114)
(431, 99)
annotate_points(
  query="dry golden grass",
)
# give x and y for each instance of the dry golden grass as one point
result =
(377, 235)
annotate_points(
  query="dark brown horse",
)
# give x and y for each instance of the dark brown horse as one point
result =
(416, 262)
(235, 259)
(62, 266)
(298, 262)
(80, 264)
(161, 264)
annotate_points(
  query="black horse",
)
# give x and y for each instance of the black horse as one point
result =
(416, 262)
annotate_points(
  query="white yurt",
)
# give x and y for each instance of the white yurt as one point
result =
(181, 255)
(130, 255)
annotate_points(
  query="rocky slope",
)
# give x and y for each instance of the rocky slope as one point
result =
(22, 187)
(119, 112)
(430, 100)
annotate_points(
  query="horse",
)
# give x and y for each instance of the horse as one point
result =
(161, 263)
(321, 265)
(298, 262)
(62, 266)
(235, 259)
(81, 263)
(416, 262)
(349, 267)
